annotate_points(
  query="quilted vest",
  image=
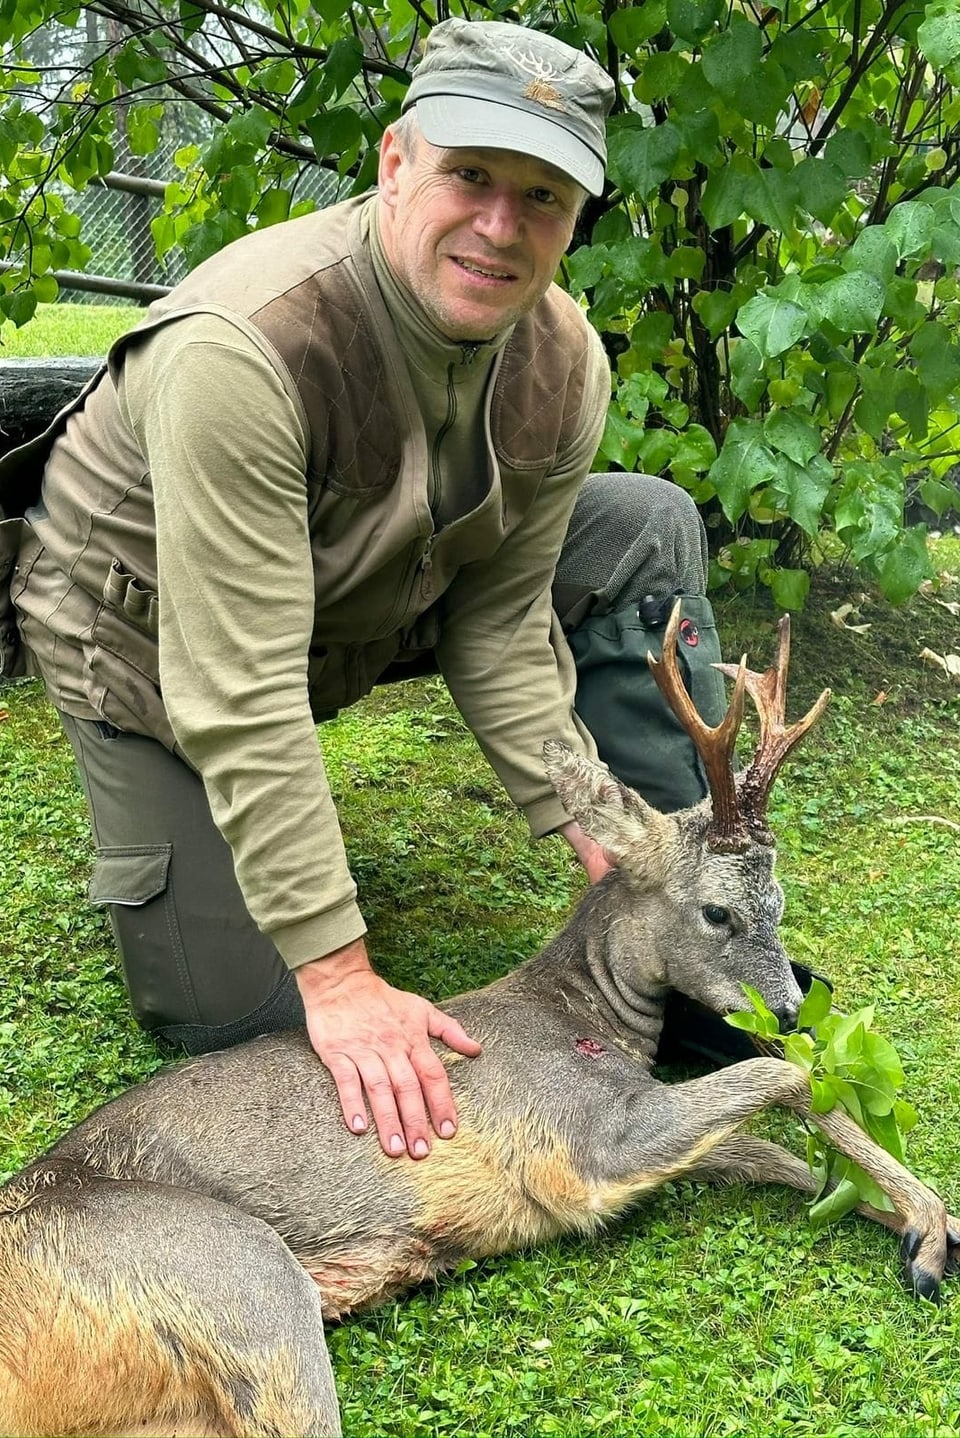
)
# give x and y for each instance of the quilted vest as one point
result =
(308, 295)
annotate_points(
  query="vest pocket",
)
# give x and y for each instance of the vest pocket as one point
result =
(124, 682)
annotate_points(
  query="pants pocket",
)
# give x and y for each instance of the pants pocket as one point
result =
(133, 882)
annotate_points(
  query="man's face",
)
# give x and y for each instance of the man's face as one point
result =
(477, 235)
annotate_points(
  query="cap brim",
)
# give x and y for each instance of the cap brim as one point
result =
(471, 123)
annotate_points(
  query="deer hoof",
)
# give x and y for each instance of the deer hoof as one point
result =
(917, 1277)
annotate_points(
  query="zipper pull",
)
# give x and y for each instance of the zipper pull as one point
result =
(426, 569)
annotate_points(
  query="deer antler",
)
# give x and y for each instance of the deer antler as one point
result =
(769, 694)
(728, 831)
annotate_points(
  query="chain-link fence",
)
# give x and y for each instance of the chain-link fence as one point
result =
(116, 226)
(116, 213)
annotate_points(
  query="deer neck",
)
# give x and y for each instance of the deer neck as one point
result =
(607, 970)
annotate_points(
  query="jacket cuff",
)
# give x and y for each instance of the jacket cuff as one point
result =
(545, 815)
(319, 935)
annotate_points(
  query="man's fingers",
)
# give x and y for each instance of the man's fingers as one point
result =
(409, 1098)
(349, 1090)
(453, 1034)
(434, 1084)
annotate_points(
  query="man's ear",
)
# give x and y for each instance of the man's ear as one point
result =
(613, 815)
(391, 158)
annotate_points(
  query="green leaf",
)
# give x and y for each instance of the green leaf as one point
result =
(821, 188)
(836, 1204)
(699, 132)
(850, 152)
(874, 252)
(731, 60)
(727, 191)
(272, 207)
(771, 324)
(939, 35)
(747, 378)
(716, 308)
(823, 1093)
(910, 227)
(251, 128)
(46, 289)
(632, 26)
(649, 338)
(939, 496)
(662, 73)
(798, 1049)
(846, 1042)
(656, 450)
(816, 1005)
(695, 450)
(20, 306)
(343, 64)
(789, 587)
(191, 17)
(334, 132)
(641, 158)
(937, 359)
(772, 198)
(852, 303)
(904, 567)
(691, 20)
(744, 463)
(792, 434)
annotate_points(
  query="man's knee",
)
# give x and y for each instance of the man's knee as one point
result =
(631, 535)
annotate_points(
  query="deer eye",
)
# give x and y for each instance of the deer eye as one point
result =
(716, 914)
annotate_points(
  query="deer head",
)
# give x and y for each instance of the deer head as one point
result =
(698, 887)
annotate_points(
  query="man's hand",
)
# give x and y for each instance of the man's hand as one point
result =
(591, 855)
(375, 1040)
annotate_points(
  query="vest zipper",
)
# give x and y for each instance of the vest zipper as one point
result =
(468, 353)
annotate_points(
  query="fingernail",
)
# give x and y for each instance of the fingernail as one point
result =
(397, 1144)
(358, 1123)
(447, 1128)
(420, 1148)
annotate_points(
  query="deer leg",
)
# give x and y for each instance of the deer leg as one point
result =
(677, 1127)
(745, 1159)
(930, 1237)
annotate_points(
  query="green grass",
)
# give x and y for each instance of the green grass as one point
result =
(65, 329)
(705, 1312)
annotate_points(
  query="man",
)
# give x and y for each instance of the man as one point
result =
(341, 447)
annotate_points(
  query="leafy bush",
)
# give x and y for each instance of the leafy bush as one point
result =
(773, 266)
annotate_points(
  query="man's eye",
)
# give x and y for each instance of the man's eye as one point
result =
(716, 914)
(471, 176)
(543, 197)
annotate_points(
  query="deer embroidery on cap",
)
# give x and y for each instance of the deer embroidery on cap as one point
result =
(540, 87)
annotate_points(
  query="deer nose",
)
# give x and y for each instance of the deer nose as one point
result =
(786, 1016)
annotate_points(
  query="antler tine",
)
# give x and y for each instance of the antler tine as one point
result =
(769, 694)
(715, 745)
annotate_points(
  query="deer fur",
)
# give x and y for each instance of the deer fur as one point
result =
(167, 1266)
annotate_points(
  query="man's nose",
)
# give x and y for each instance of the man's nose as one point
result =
(499, 220)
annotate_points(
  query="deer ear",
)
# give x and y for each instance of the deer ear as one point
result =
(607, 810)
